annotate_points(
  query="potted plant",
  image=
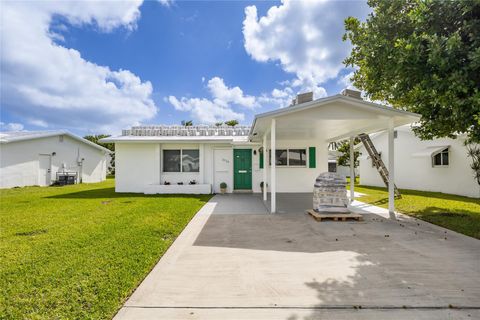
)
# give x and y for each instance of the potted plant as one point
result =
(261, 185)
(223, 187)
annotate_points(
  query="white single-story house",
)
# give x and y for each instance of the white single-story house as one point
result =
(30, 158)
(197, 159)
(439, 165)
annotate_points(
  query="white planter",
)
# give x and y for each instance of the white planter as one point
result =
(178, 189)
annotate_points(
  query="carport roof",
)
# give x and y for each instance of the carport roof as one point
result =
(332, 118)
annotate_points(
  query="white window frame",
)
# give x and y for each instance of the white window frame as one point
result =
(288, 158)
(181, 160)
(447, 151)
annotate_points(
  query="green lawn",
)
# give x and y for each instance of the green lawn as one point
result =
(77, 252)
(461, 214)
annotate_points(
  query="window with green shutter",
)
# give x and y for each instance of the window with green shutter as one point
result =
(311, 157)
(261, 159)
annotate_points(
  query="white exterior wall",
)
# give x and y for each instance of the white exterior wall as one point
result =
(299, 179)
(19, 161)
(139, 166)
(417, 173)
(136, 166)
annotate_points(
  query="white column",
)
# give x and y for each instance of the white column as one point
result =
(201, 154)
(158, 165)
(273, 183)
(352, 170)
(265, 162)
(391, 170)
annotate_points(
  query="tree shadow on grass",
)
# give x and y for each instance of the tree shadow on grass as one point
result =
(110, 193)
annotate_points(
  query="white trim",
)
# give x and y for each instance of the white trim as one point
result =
(352, 170)
(264, 169)
(391, 168)
(9, 137)
(441, 151)
(273, 178)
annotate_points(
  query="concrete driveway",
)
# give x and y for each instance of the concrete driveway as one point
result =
(235, 261)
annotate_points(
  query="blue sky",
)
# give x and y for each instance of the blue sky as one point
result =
(103, 67)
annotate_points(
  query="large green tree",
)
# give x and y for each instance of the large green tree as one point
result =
(422, 56)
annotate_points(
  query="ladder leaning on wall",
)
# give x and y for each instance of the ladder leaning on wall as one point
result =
(377, 161)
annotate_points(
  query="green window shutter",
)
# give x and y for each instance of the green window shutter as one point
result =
(261, 159)
(311, 157)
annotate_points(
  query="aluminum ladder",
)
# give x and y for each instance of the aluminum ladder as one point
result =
(377, 161)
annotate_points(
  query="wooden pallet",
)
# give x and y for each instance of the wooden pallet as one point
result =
(335, 216)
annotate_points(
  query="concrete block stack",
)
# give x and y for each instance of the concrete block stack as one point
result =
(330, 194)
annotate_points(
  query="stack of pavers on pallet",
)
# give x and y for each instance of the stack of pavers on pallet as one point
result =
(330, 194)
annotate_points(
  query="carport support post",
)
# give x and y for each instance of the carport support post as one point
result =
(273, 183)
(391, 169)
(352, 170)
(265, 162)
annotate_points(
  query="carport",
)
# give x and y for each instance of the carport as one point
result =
(326, 120)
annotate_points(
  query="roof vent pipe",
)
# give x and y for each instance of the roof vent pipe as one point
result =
(352, 93)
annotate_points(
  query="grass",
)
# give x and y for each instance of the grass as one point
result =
(457, 213)
(79, 251)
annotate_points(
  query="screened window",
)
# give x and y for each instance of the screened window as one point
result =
(171, 160)
(332, 167)
(281, 157)
(190, 161)
(441, 158)
(187, 160)
(290, 158)
(297, 157)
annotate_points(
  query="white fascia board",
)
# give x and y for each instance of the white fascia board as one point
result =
(164, 139)
(387, 111)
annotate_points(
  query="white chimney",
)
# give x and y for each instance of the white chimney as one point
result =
(352, 93)
(302, 98)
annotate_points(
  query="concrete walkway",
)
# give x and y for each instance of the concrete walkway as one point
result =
(227, 264)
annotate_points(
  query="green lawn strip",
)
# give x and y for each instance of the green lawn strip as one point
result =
(80, 251)
(461, 214)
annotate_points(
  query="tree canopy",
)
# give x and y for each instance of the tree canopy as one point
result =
(422, 56)
(231, 123)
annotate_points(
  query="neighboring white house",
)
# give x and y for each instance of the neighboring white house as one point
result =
(439, 165)
(155, 159)
(37, 157)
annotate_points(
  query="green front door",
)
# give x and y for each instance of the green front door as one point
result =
(242, 169)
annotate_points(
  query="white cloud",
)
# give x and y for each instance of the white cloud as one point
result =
(304, 36)
(219, 107)
(205, 110)
(11, 126)
(166, 3)
(50, 83)
(224, 95)
(346, 82)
